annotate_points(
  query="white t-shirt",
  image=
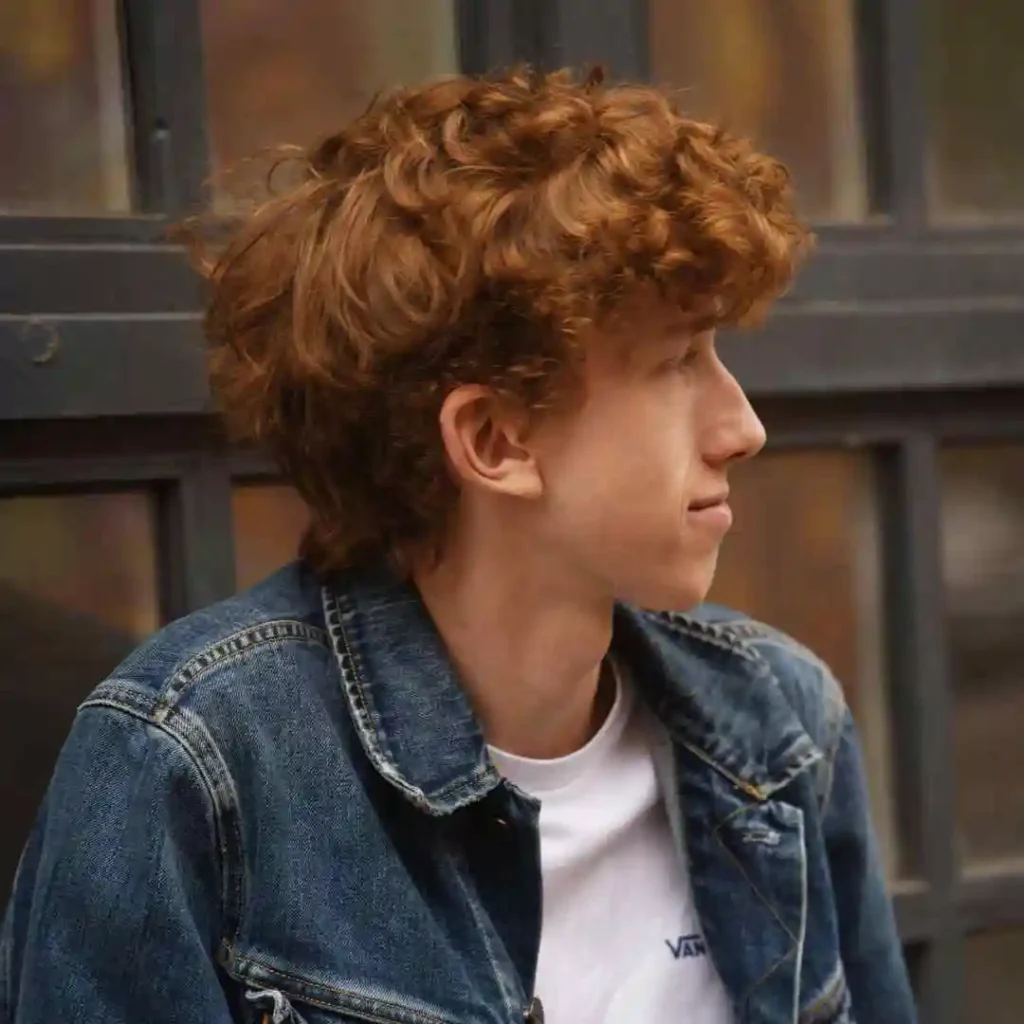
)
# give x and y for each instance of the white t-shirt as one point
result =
(620, 941)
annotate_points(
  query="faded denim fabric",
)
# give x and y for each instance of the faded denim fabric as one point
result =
(281, 809)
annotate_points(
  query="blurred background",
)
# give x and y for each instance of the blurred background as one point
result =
(883, 527)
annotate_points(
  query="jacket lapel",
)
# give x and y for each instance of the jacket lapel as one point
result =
(736, 744)
(748, 873)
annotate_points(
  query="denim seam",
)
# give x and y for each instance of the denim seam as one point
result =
(712, 633)
(220, 789)
(757, 792)
(487, 931)
(371, 731)
(798, 973)
(742, 871)
(367, 721)
(232, 648)
(419, 1016)
(771, 909)
(828, 769)
(743, 635)
(720, 638)
(753, 631)
(829, 1001)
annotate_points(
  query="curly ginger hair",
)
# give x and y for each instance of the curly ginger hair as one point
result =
(472, 230)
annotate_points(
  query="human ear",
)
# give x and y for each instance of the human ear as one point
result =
(485, 441)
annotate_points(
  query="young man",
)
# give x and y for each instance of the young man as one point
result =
(445, 770)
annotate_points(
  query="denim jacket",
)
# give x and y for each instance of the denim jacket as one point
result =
(281, 808)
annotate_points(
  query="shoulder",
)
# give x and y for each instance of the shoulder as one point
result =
(199, 710)
(210, 683)
(228, 644)
(805, 680)
(787, 674)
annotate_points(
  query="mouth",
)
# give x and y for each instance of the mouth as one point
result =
(712, 513)
(709, 502)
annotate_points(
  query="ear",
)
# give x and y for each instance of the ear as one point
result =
(485, 441)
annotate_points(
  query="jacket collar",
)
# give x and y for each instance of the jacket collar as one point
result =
(713, 694)
(716, 695)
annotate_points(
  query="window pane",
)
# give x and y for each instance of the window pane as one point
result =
(994, 981)
(78, 590)
(983, 549)
(62, 121)
(804, 557)
(291, 72)
(782, 72)
(269, 519)
(975, 92)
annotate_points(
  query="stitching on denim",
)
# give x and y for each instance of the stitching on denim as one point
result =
(750, 630)
(216, 779)
(345, 1000)
(713, 634)
(367, 720)
(749, 880)
(829, 770)
(701, 631)
(231, 648)
(512, 1005)
(829, 1001)
(370, 728)
(794, 949)
(757, 792)
(801, 942)
(787, 956)
(739, 637)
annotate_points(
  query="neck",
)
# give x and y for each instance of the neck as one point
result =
(528, 653)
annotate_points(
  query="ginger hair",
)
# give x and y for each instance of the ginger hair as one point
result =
(472, 230)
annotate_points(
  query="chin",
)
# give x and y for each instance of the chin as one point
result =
(681, 591)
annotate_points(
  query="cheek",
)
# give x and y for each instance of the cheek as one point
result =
(630, 503)
(621, 463)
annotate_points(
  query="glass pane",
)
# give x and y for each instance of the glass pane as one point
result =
(804, 557)
(782, 72)
(78, 590)
(62, 121)
(975, 93)
(994, 981)
(291, 72)
(269, 519)
(983, 554)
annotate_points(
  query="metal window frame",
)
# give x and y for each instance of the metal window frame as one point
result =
(900, 336)
(953, 298)
(183, 465)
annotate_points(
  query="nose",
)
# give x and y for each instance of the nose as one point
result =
(737, 432)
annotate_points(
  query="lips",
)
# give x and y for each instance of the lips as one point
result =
(710, 502)
(712, 514)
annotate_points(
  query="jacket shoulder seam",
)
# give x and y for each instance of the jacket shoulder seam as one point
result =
(230, 649)
(187, 730)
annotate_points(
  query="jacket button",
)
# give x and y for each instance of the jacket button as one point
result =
(534, 1013)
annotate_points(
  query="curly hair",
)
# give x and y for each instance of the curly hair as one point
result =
(471, 230)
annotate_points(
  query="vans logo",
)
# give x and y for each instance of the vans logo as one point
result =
(687, 946)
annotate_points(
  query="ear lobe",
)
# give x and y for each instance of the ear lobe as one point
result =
(484, 440)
